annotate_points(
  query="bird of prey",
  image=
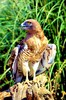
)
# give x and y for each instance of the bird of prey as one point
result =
(33, 53)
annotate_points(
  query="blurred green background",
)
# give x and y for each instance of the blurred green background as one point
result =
(51, 14)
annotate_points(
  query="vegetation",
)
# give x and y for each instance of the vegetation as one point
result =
(52, 17)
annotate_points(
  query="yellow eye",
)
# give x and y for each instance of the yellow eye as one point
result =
(29, 23)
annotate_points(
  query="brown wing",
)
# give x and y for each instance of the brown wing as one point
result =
(11, 59)
(47, 58)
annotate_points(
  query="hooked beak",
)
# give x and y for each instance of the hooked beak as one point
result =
(25, 25)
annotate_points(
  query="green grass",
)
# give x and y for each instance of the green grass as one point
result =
(52, 17)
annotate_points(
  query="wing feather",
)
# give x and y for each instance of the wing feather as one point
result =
(47, 58)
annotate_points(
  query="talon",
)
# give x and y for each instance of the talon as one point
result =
(27, 82)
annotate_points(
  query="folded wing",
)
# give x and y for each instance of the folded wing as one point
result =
(47, 58)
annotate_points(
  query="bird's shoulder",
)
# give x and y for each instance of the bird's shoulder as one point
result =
(15, 52)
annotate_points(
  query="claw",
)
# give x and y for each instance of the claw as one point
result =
(28, 82)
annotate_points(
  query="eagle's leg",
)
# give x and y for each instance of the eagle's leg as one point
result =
(34, 75)
(27, 76)
(35, 67)
(27, 80)
(26, 70)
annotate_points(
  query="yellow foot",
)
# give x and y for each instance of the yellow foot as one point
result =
(34, 81)
(27, 82)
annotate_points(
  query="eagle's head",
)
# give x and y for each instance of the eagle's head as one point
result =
(31, 26)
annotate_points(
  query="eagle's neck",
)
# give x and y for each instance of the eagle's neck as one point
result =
(40, 34)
